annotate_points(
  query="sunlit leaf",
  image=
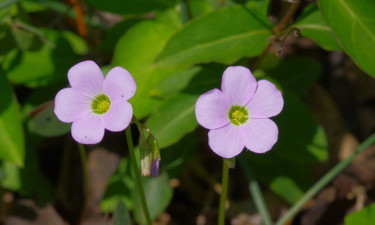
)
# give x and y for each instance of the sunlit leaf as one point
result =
(222, 36)
(313, 26)
(354, 25)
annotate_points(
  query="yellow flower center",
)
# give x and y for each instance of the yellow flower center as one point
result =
(100, 104)
(238, 115)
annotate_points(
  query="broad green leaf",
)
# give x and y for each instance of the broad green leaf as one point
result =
(174, 83)
(173, 119)
(131, 6)
(303, 140)
(113, 35)
(279, 174)
(46, 124)
(6, 3)
(295, 74)
(176, 158)
(354, 25)
(365, 216)
(158, 195)
(12, 180)
(12, 143)
(46, 65)
(222, 36)
(313, 26)
(136, 52)
(119, 188)
(121, 215)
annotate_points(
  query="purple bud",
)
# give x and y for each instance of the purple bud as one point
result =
(155, 168)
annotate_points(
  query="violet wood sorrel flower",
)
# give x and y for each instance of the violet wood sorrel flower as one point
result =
(94, 103)
(238, 115)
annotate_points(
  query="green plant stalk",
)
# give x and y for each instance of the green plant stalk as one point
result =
(256, 193)
(137, 175)
(325, 180)
(82, 154)
(223, 195)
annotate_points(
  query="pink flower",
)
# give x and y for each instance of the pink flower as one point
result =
(238, 115)
(94, 103)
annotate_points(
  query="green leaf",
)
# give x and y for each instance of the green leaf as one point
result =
(365, 216)
(136, 52)
(222, 36)
(46, 124)
(177, 157)
(302, 140)
(121, 215)
(158, 195)
(174, 83)
(12, 143)
(279, 174)
(173, 119)
(296, 74)
(119, 187)
(46, 65)
(354, 25)
(313, 26)
(131, 6)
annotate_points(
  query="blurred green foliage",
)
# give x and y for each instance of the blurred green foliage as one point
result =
(175, 50)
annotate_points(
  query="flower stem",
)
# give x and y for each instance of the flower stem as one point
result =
(137, 175)
(256, 193)
(82, 154)
(325, 180)
(224, 190)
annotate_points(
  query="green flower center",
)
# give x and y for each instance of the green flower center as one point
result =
(100, 104)
(238, 115)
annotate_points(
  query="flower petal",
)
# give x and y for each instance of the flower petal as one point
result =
(266, 102)
(239, 84)
(226, 141)
(259, 135)
(119, 83)
(118, 116)
(70, 105)
(86, 78)
(89, 129)
(211, 109)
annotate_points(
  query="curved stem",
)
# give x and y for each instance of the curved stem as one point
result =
(137, 175)
(224, 190)
(325, 180)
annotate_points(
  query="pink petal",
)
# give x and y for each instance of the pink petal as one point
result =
(259, 135)
(89, 129)
(70, 105)
(86, 78)
(119, 83)
(211, 109)
(266, 102)
(239, 84)
(226, 141)
(118, 116)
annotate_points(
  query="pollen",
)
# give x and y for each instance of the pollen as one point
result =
(238, 115)
(100, 104)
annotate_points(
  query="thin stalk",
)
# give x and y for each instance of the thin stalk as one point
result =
(224, 190)
(137, 175)
(325, 180)
(256, 193)
(82, 154)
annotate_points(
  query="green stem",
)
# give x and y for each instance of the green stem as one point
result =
(325, 180)
(82, 154)
(224, 190)
(256, 193)
(137, 175)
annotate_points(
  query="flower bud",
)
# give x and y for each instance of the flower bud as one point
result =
(155, 152)
(146, 158)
